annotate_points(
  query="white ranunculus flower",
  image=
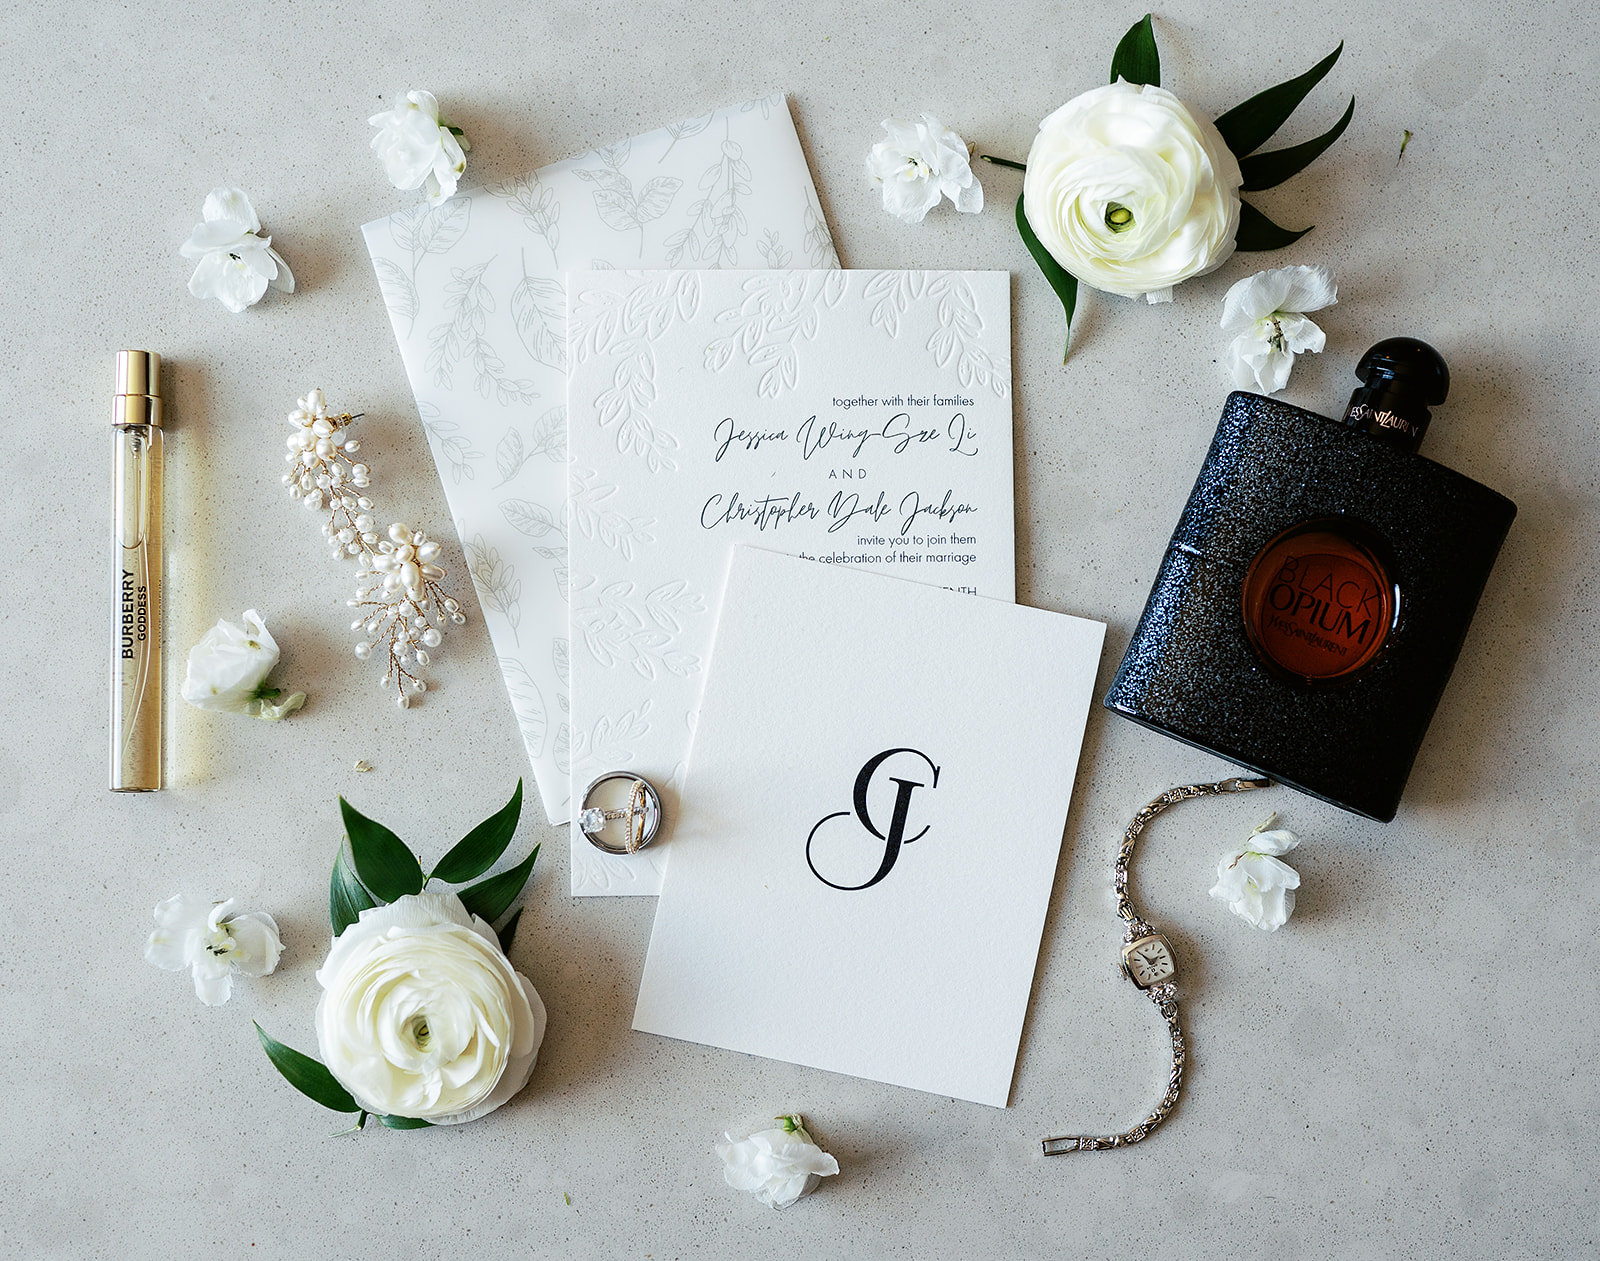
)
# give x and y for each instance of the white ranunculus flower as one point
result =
(213, 943)
(228, 666)
(418, 150)
(421, 1014)
(1267, 312)
(779, 1165)
(1131, 192)
(236, 265)
(1256, 885)
(920, 163)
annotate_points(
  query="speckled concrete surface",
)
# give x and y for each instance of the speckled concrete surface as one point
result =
(1408, 1069)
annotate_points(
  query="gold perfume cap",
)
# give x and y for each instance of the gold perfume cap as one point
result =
(138, 400)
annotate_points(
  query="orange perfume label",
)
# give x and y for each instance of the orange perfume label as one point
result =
(1318, 604)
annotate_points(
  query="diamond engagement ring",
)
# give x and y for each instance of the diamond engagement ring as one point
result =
(642, 814)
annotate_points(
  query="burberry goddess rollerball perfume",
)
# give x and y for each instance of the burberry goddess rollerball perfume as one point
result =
(1318, 588)
(136, 702)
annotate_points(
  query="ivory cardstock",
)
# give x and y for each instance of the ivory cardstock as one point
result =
(871, 821)
(862, 418)
(475, 293)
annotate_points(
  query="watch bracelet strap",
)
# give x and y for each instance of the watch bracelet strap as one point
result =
(1164, 996)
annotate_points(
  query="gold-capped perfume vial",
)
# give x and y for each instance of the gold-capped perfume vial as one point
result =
(136, 693)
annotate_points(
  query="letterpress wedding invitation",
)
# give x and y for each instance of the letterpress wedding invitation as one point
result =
(873, 812)
(475, 293)
(860, 418)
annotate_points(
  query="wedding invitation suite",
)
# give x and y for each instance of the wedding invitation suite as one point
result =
(873, 813)
(474, 289)
(859, 418)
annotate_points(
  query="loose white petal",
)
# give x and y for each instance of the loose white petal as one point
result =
(231, 205)
(168, 950)
(1310, 289)
(213, 982)
(257, 944)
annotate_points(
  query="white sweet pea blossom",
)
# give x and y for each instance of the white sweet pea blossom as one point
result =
(920, 163)
(228, 666)
(1256, 885)
(213, 943)
(418, 149)
(1267, 311)
(236, 264)
(779, 1165)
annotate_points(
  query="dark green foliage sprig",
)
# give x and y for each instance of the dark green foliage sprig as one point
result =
(374, 867)
(1245, 128)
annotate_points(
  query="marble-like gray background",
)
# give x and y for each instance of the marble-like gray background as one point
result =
(1409, 1069)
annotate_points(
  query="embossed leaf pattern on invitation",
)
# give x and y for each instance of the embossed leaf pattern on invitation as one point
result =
(863, 418)
(475, 292)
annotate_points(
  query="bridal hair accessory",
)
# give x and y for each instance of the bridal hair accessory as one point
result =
(403, 609)
(1147, 961)
(643, 814)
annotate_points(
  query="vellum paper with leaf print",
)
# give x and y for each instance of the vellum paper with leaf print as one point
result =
(859, 418)
(475, 292)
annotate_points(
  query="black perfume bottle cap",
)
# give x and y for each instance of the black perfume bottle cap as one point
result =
(1400, 379)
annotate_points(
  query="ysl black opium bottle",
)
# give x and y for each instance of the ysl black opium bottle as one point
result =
(1318, 588)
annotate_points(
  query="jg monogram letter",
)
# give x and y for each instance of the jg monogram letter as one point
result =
(896, 835)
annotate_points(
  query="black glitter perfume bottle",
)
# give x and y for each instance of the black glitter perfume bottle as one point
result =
(1318, 588)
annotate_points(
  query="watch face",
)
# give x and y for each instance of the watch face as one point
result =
(1148, 962)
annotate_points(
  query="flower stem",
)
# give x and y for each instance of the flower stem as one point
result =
(1015, 166)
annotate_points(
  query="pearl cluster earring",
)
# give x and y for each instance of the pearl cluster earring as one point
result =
(403, 608)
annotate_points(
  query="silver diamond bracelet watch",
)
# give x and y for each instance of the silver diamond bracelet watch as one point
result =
(1147, 961)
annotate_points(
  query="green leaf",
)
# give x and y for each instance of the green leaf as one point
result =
(1062, 281)
(1257, 232)
(1248, 126)
(1268, 170)
(385, 865)
(507, 932)
(306, 1075)
(492, 897)
(479, 849)
(1136, 58)
(405, 1123)
(347, 897)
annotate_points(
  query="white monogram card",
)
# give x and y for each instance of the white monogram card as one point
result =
(475, 294)
(862, 418)
(873, 811)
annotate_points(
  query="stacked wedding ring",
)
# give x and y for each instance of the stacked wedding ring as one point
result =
(642, 814)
